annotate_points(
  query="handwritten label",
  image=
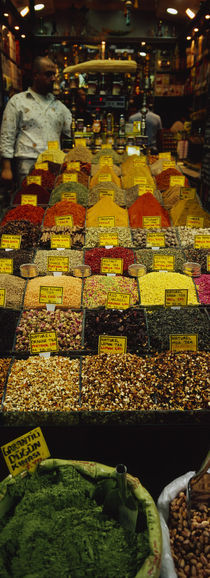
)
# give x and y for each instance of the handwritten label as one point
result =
(60, 264)
(37, 179)
(43, 342)
(51, 295)
(139, 180)
(53, 145)
(145, 189)
(137, 126)
(70, 178)
(106, 221)
(41, 166)
(155, 240)
(187, 193)
(29, 200)
(25, 452)
(208, 262)
(10, 241)
(64, 221)
(118, 300)
(151, 222)
(46, 156)
(6, 266)
(73, 166)
(106, 193)
(109, 344)
(185, 342)
(108, 239)
(105, 161)
(139, 162)
(202, 242)
(196, 222)
(168, 165)
(165, 155)
(106, 146)
(163, 262)
(177, 180)
(111, 265)
(105, 178)
(176, 297)
(80, 142)
(60, 242)
(69, 195)
(2, 297)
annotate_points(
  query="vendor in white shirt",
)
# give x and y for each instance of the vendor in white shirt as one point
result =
(30, 120)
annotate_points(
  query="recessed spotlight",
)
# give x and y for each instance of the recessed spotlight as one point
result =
(172, 11)
(195, 29)
(24, 11)
(188, 37)
(23, 36)
(207, 16)
(17, 27)
(38, 7)
(190, 13)
(142, 53)
(143, 43)
(6, 14)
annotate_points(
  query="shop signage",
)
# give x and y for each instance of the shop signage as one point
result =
(202, 242)
(41, 166)
(6, 266)
(105, 178)
(187, 193)
(151, 222)
(43, 342)
(106, 193)
(185, 342)
(60, 242)
(37, 179)
(196, 222)
(73, 166)
(106, 161)
(112, 266)
(64, 221)
(69, 196)
(106, 221)
(177, 180)
(25, 452)
(29, 200)
(155, 240)
(53, 145)
(70, 178)
(10, 241)
(112, 344)
(118, 300)
(108, 239)
(60, 264)
(2, 297)
(176, 297)
(163, 262)
(50, 294)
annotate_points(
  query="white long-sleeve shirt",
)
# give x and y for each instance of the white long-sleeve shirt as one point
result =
(29, 121)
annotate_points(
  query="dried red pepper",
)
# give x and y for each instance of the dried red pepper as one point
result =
(93, 257)
(24, 213)
(147, 206)
(65, 208)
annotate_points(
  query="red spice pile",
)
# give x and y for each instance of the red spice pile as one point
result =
(24, 213)
(48, 179)
(147, 206)
(93, 257)
(163, 179)
(65, 208)
(42, 194)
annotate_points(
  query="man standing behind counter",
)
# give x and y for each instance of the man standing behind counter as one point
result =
(30, 120)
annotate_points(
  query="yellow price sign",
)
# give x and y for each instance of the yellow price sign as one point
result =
(139, 162)
(151, 222)
(43, 342)
(187, 193)
(53, 145)
(177, 180)
(47, 156)
(64, 221)
(165, 155)
(202, 242)
(117, 300)
(2, 297)
(69, 196)
(108, 239)
(139, 181)
(37, 179)
(60, 264)
(163, 262)
(137, 126)
(112, 344)
(106, 161)
(105, 178)
(41, 166)
(80, 142)
(195, 222)
(6, 266)
(106, 193)
(73, 166)
(29, 200)
(168, 165)
(176, 297)
(106, 221)
(10, 241)
(108, 145)
(25, 452)
(111, 265)
(184, 342)
(48, 294)
(60, 242)
(155, 240)
(70, 178)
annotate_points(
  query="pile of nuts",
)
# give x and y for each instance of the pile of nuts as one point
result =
(189, 538)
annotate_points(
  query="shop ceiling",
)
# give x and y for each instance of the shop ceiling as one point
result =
(156, 7)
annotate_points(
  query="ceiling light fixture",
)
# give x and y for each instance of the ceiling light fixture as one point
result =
(172, 11)
(142, 53)
(23, 36)
(6, 14)
(195, 29)
(24, 11)
(190, 13)
(38, 7)
(143, 43)
(188, 37)
(17, 27)
(207, 16)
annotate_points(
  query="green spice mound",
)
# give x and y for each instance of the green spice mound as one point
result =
(58, 531)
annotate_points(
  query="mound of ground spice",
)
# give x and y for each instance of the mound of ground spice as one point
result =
(79, 153)
(147, 206)
(81, 177)
(106, 208)
(186, 208)
(24, 213)
(42, 194)
(93, 257)
(105, 171)
(163, 179)
(81, 193)
(65, 208)
(72, 289)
